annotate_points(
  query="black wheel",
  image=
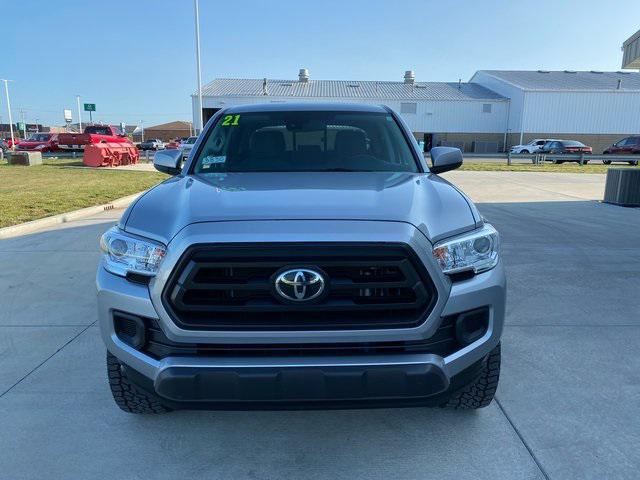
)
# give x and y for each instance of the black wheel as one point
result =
(633, 162)
(479, 393)
(606, 162)
(126, 395)
(525, 151)
(584, 162)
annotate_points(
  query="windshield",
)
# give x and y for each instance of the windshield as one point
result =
(298, 141)
(98, 130)
(191, 140)
(42, 137)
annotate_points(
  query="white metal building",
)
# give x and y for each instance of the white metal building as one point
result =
(495, 108)
(594, 107)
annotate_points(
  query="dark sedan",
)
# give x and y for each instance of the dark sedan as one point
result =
(565, 147)
(626, 146)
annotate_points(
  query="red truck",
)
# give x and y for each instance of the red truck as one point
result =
(92, 134)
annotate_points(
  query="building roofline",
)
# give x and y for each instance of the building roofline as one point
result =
(389, 90)
(631, 39)
(577, 90)
(359, 99)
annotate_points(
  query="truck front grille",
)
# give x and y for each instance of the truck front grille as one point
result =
(443, 342)
(231, 287)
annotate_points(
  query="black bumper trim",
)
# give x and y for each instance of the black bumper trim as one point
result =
(301, 384)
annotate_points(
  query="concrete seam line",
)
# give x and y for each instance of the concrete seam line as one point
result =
(48, 358)
(522, 440)
(41, 223)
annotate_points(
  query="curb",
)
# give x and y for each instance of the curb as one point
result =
(41, 223)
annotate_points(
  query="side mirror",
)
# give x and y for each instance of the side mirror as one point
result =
(444, 159)
(168, 161)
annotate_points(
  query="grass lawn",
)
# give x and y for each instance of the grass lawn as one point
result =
(547, 167)
(28, 193)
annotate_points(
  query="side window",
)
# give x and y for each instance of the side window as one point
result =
(540, 143)
(486, 108)
(408, 107)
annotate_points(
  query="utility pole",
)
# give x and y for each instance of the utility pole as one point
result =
(79, 114)
(199, 116)
(37, 127)
(142, 129)
(6, 91)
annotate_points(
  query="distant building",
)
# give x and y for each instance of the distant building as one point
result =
(167, 131)
(631, 52)
(596, 108)
(495, 108)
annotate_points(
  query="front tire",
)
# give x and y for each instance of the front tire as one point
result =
(128, 396)
(606, 162)
(480, 393)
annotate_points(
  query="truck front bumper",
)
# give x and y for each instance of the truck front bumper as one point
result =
(299, 382)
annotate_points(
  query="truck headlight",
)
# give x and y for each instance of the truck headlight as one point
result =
(477, 251)
(124, 253)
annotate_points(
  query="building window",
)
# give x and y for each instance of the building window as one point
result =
(486, 108)
(408, 107)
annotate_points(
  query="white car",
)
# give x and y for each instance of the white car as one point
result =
(532, 147)
(187, 145)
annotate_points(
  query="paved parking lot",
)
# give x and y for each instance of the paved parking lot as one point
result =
(567, 404)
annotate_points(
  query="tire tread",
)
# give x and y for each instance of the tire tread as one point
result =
(480, 393)
(126, 395)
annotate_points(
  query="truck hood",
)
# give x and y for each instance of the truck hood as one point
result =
(424, 200)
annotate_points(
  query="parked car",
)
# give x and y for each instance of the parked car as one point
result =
(187, 145)
(532, 147)
(12, 143)
(4, 146)
(562, 147)
(315, 260)
(626, 146)
(152, 144)
(91, 134)
(41, 142)
(173, 144)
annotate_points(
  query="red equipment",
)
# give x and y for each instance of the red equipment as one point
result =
(92, 134)
(110, 154)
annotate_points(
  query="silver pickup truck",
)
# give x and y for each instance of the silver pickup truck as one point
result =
(304, 256)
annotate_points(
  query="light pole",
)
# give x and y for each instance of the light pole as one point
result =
(6, 91)
(37, 127)
(79, 114)
(142, 130)
(199, 117)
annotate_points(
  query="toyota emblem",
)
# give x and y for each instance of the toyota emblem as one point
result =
(299, 284)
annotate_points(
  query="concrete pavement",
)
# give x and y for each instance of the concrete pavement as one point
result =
(567, 402)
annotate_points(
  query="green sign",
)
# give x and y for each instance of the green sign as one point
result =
(89, 107)
(22, 126)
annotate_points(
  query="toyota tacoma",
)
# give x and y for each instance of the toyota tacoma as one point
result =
(304, 256)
